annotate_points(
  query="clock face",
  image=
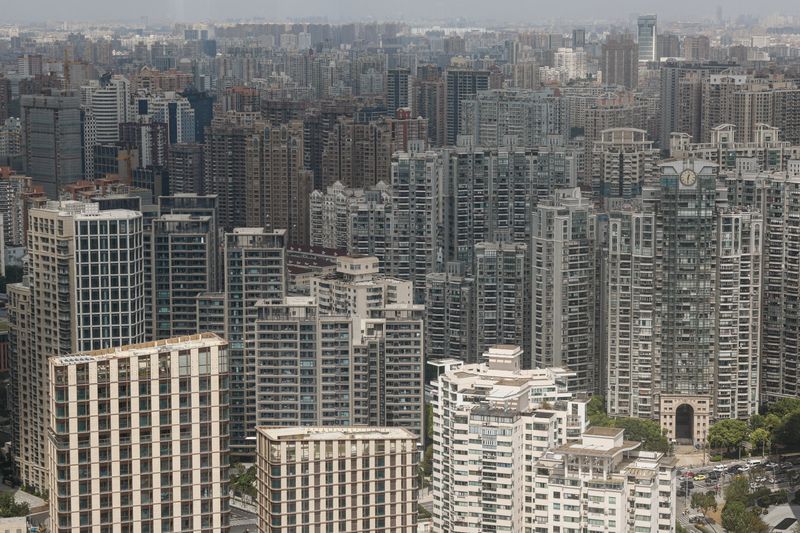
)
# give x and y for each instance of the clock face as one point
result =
(688, 177)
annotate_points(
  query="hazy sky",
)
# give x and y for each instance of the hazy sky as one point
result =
(334, 10)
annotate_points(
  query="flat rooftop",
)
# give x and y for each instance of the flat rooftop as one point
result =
(333, 433)
(200, 340)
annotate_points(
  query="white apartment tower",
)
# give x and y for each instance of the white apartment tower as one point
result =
(349, 479)
(84, 291)
(492, 420)
(138, 438)
(563, 287)
(604, 483)
(357, 287)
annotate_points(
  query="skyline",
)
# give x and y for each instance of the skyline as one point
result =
(189, 11)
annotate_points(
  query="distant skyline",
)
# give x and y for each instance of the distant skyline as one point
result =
(512, 11)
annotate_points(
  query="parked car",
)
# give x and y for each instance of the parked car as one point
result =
(720, 468)
(700, 477)
(754, 462)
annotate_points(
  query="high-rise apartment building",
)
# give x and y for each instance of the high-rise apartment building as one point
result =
(488, 197)
(108, 103)
(357, 288)
(277, 185)
(183, 266)
(765, 153)
(51, 140)
(414, 190)
(514, 117)
(398, 85)
(681, 97)
(647, 38)
(563, 292)
(428, 99)
(225, 167)
(450, 315)
(623, 160)
(138, 437)
(5, 97)
(620, 61)
(696, 47)
(461, 84)
(775, 195)
(84, 291)
(675, 278)
(502, 296)
(492, 421)
(255, 271)
(15, 190)
(350, 370)
(604, 483)
(185, 164)
(359, 155)
(352, 479)
(355, 220)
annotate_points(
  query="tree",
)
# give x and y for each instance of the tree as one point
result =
(784, 406)
(737, 518)
(428, 422)
(596, 406)
(704, 502)
(426, 465)
(737, 491)
(646, 431)
(243, 480)
(760, 438)
(728, 433)
(788, 431)
(9, 507)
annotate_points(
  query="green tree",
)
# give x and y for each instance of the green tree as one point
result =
(737, 491)
(243, 480)
(737, 518)
(704, 502)
(646, 431)
(760, 438)
(784, 406)
(596, 406)
(9, 507)
(428, 422)
(788, 431)
(426, 465)
(728, 433)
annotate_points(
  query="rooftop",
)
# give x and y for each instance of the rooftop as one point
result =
(200, 340)
(335, 434)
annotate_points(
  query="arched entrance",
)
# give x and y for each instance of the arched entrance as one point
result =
(684, 424)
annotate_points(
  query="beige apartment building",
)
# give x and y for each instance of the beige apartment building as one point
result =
(138, 438)
(337, 480)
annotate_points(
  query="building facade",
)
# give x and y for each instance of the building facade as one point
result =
(138, 437)
(350, 479)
